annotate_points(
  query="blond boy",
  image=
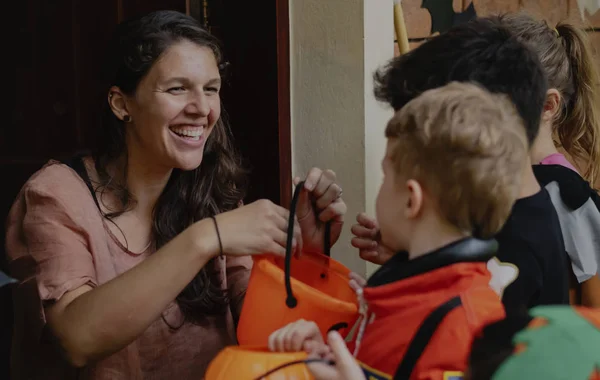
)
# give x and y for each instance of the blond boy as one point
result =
(450, 179)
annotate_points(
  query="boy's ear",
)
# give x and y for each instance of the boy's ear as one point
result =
(551, 105)
(414, 202)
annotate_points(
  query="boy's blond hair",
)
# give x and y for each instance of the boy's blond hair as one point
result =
(467, 148)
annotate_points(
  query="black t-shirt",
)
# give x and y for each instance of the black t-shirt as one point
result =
(532, 250)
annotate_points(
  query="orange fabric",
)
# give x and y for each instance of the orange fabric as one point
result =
(252, 362)
(400, 308)
(320, 286)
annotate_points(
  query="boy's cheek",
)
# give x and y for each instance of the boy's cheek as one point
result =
(382, 204)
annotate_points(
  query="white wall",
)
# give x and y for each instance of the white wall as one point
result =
(379, 48)
(335, 47)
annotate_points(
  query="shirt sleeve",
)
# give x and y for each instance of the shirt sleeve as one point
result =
(57, 243)
(581, 233)
(516, 274)
(238, 273)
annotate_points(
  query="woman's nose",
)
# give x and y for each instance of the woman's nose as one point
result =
(198, 104)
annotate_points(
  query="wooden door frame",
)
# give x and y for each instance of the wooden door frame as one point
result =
(284, 106)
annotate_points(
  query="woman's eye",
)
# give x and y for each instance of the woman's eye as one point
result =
(176, 90)
(212, 89)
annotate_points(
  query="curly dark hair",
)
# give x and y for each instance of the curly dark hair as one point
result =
(482, 51)
(216, 186)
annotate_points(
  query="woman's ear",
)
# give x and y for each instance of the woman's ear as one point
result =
(118, 104)
(551, 105)
(414, 202)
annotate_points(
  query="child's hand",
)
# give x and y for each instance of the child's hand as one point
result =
(345, 367)
(368, 240)
(298, 336)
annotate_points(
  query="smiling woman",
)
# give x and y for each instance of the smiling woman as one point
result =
(133, 262)
(176, 107)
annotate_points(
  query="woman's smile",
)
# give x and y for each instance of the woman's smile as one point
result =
(189, 134)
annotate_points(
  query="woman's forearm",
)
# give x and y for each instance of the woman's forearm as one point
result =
(93, 323)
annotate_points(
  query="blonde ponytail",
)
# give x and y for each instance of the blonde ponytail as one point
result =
(579, 129)
(568, 62)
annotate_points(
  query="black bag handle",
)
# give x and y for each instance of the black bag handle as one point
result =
(290, 300)
(421, 339)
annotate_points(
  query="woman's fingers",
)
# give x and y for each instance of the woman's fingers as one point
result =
(332, 193)
(312, 180)
(278, 232)
(335, 211)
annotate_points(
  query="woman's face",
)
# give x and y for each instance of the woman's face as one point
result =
(175, 108)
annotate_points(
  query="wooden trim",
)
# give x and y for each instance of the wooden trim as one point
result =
(195, 9)
(120, 11)
(283, 95)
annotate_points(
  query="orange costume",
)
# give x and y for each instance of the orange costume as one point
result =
(420, 316)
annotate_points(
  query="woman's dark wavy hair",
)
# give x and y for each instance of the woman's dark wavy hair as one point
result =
(216, 186)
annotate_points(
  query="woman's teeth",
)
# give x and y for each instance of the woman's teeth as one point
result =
(192, 134)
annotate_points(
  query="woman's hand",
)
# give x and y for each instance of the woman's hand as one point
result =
(320, 202)
(257, 228)
(344, 367)
(368, 240)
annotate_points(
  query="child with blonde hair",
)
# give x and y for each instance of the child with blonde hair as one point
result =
(448, 188)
